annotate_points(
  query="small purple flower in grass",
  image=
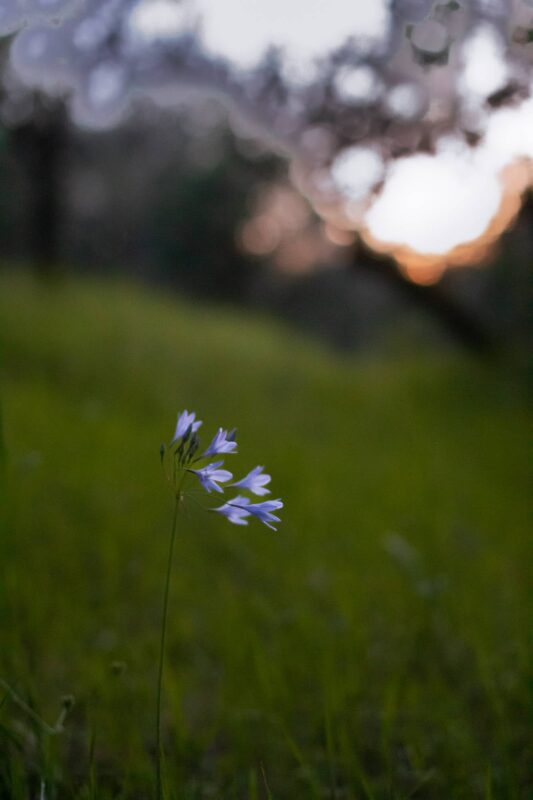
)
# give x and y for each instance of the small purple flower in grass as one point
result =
(255, 482)
(180, 461)
(210, 476)
(222, 443)
(235, 511)
(186, 421)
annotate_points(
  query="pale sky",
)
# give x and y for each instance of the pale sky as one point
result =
(308, 29)
(243, 31)
(434, 203)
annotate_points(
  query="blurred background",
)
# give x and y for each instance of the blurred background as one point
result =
(337, 265)
(184, 203)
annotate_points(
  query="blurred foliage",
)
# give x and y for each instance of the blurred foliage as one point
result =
(375, 647)
(173, 210)
(196, 218)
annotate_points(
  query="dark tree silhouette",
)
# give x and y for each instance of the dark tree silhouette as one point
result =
(40, 143)
(461, 324)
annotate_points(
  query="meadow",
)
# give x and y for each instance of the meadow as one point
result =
(374, 647)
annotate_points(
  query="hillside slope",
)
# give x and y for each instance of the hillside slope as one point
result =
(373, 647)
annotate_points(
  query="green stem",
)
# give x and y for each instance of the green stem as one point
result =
(162, 647)
(45, 727)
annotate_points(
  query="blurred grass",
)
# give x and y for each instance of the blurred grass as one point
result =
(375, 647)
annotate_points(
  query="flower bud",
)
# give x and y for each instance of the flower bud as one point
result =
(68, 702)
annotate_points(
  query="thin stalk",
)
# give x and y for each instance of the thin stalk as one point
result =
(45, 727)
(162, 646)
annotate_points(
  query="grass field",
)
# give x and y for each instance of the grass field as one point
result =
(374, 647)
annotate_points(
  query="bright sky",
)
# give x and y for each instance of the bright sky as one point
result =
(485, 69)
(307, 28)
(434, 203)
(357, 171)
(242, 31)
(158, 19)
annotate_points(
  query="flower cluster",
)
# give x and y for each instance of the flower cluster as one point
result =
(183, 459)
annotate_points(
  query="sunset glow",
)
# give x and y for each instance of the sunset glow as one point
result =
(425, 269)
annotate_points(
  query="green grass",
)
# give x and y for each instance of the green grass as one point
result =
(332, 659)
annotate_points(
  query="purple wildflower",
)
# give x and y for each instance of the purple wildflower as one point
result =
(235, 511)
(263, 511)
(210, 476)
(221, 444)
(255, 482)
(186, 421)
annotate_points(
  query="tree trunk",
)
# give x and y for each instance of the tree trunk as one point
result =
(41, 146)
(463, 326)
